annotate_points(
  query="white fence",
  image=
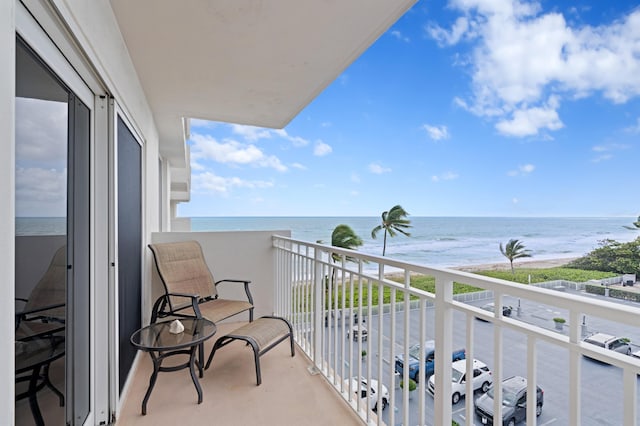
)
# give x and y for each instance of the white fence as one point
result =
(320, 289)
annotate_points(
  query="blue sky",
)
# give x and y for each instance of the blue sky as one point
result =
(462, 108)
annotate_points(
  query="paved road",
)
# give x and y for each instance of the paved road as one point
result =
(602, 384)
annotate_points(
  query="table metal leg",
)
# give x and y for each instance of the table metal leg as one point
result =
(152, 381)
(194, 377)
(33, 400)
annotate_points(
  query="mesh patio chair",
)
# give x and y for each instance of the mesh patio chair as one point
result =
(44, 311)
(189, 285)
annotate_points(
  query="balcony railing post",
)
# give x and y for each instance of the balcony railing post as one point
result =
(574, 370)
(444, 347)
(318, 286)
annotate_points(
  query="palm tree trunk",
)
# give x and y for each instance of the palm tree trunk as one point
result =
(512, 271)
(384, 245)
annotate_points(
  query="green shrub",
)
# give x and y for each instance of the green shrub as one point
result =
(623, 294)
(412, 384)
(560, 320)
(612, 256)
(595, 289)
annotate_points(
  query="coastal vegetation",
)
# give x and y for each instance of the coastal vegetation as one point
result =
(513, 250)
(393, 221)
(611, 256)
(344, 237)
(427, 283)
(523, 275)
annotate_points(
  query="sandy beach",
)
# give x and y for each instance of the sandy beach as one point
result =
(547, 263)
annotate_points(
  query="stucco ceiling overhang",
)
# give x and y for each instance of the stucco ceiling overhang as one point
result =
(243, 61)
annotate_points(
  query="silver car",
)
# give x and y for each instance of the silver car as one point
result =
(613, 343)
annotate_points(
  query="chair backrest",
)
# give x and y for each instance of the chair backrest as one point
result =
(183, 269)
(52, 287)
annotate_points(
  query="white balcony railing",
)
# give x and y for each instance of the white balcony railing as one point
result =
(320, 289)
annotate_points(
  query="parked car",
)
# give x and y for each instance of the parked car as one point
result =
(491, 307)
(482, 379)
(338, 316)
(358, 331)
(613, 343)
(360, 387)
(514, 402)
(414, 360)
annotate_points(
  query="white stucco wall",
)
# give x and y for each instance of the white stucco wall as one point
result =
(235, 254)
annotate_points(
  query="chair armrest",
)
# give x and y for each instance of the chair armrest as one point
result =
(164, 300)
(246, 286)
(40, 309)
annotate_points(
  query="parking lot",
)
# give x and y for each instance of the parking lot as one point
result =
(601, 396)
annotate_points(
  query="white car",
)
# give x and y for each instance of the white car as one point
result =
(607, 341)
(358, 331)
(482, 379)
(359, 387)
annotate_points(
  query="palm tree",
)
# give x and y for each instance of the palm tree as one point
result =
(393, 221)
(344, 237)
(514, 250)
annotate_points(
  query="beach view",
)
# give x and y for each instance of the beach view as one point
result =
(372, 212)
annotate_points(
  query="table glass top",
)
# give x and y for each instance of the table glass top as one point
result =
(32, 353)
(157, 336)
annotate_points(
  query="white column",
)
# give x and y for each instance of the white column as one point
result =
(7, 208)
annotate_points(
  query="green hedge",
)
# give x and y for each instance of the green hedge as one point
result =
(595, 289)
(613, 292)
(623, 294)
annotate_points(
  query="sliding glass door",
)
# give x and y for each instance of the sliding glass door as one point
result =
(52, 248)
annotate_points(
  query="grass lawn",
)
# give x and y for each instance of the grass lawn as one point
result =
(427, 283)
(548, 274)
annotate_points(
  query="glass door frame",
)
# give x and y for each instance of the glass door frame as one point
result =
(39, 27)
(115, 113)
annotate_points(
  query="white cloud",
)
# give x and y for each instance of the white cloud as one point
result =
(355, 177)
(208, 182)
(202, 124)
(251, 133)
(437, 132)
(41, 192)
(297, 141)
(447, 38)
(605, 152)
(601, 158)
(298, 166)
(445, 176)
(354, 193)
(522, 170)
(521, 56)
(397, 34)
(378, 169)
(321, 149)
(528, 122)
(515, 200)
(41, 133)
(230, 152)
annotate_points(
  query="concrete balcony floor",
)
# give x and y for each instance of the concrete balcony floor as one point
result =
(288, 395)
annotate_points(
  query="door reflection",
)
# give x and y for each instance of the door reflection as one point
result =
(41, 165)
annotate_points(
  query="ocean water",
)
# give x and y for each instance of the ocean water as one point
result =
(448, 241)
(434, 241)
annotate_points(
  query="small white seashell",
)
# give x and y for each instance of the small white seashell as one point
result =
(176, 327)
